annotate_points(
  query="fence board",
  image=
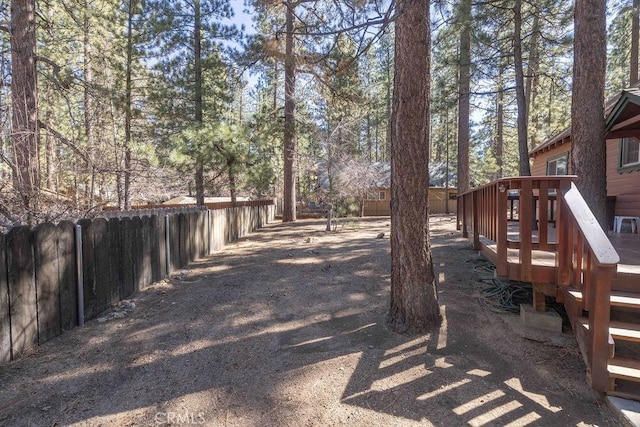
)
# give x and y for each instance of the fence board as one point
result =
(183, 224)
(145, 232)
(88, 269)
(136, 225)
(174, 243)
(5, 323)
(115, 267)
(67, 275)
(126, 260)
(155, 230)
(101, 247)
(47, 285)
(22, 291)
(193, 236)
(219, 229)
(162, 245)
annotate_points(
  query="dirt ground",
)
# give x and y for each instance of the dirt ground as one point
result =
(287, 328)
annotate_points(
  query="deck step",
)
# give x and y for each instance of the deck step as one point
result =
(582, 337)
(617, 299)
(624, 331)
(618, 330)
(626, 369)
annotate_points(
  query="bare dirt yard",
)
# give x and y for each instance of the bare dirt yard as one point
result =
(286, 327)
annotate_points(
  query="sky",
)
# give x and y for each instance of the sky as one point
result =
(241, 16)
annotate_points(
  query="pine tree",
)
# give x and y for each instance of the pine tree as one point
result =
(414, 299)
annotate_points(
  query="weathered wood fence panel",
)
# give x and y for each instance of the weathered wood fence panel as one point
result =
(47, 281)
(67, 275)
(22, 291)
(115, 266)
(5, 322)
(126, 260)
(119, 255)
(101, 269)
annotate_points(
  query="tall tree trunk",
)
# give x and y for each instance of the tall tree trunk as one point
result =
(523, 147)
(24, 105)
(446, 168)
(127, 109)
(232, 182)
(464, 85)
(531, 82)
(414, 299)
(197, 52)
(289, 199)
(88, 102)
(587, 105)
(275, 79)
(499, 144)
(388, 103)
(635, 34)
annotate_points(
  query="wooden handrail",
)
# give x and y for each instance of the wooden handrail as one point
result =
(595, 237)
(584, 257)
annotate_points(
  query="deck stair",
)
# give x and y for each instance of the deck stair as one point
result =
(624, 339)
(556, 244)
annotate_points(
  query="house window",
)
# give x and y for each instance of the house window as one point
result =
(629, 152)
(376, 195)
(558, 165)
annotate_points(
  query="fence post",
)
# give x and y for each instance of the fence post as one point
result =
(167, 243)
(80, 287)
(208, 231)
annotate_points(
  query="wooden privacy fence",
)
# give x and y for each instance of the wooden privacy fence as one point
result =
(55, 276)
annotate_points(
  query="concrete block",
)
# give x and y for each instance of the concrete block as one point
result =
(548, 321)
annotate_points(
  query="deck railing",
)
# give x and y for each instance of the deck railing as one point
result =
(552, 219)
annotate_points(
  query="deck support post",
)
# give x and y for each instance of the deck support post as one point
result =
(539, 303)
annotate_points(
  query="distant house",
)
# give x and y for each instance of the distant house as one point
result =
(377, 201)
(622, 116)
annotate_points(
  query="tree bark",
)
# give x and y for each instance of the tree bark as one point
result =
(414, 299)
(531, 89)
(587, 105)
(464, 89)
(128, 113)
(88, 102)
(197, 52)
(523, 147)
(289, 199)
(499, 144)
(635, 34)
(24, 92)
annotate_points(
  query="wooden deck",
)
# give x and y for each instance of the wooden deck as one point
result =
(627, 245)
(557, 245)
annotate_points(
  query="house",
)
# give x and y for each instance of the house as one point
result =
(377, 202)
(622, 115)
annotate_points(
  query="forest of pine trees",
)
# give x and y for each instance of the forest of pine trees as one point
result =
(123, 103)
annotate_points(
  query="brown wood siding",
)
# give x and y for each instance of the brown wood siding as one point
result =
(540, 161)
(624, 186)
(436, 203)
